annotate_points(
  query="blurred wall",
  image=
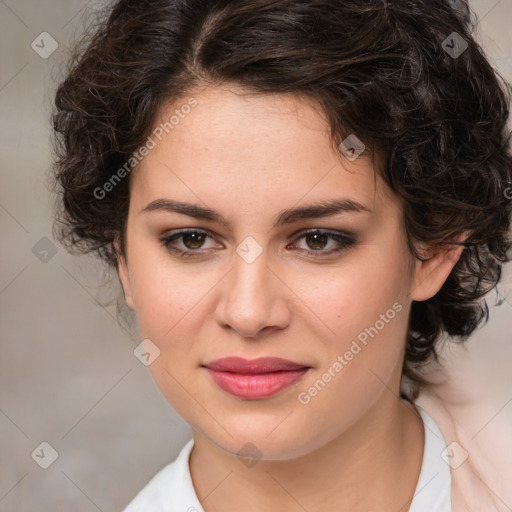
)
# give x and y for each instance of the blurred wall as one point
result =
(68, 376)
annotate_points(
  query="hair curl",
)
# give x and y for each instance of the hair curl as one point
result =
(378, 69)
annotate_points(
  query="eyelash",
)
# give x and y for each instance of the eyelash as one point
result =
(343, 239)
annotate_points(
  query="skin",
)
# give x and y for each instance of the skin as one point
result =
(356, 445)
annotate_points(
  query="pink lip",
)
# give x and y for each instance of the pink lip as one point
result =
(254, 379)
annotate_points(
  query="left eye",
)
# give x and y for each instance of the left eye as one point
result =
(317, 241)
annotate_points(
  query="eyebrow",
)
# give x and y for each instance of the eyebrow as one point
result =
(289, 216)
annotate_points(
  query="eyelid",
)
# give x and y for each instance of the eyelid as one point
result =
(325, 231)
(293, 236)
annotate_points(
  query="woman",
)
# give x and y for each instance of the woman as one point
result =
(300, 198)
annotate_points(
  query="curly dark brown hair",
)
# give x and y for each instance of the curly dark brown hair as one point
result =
(406, 77)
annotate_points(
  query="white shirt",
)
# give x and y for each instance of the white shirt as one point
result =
(171, 490)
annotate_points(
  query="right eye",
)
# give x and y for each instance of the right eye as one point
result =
(190, 241)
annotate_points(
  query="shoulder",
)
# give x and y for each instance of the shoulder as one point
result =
(474, 484)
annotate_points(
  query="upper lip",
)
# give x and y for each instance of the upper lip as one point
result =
(253, 366)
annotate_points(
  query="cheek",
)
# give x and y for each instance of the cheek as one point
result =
(166, 293)
(170, 301)
(368, 290)
(365, 305)
(362, 360)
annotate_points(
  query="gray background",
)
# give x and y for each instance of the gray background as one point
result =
(68, 375)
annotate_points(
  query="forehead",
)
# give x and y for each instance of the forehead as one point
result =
(249, 149)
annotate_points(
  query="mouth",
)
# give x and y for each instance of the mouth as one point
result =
(254, 379)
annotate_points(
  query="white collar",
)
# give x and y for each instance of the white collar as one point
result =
(433, 490)
(171, 490)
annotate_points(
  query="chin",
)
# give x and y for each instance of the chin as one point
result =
(256, 439)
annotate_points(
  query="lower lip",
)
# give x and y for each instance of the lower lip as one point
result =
(256, 386)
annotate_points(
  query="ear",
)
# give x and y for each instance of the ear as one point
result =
(124, 275)
(431, 272)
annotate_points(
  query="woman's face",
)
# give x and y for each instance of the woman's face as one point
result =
(335, 302)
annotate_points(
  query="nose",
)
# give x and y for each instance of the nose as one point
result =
(253, 299)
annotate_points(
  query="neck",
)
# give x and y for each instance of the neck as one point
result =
(374, 465)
